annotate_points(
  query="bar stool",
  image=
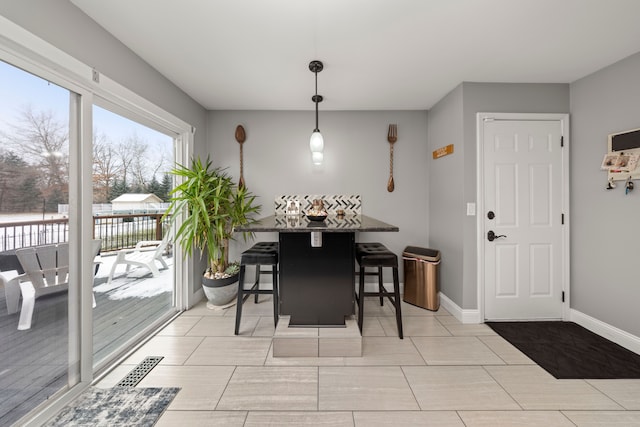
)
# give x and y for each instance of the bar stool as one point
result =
(262, 253)
(376, 255)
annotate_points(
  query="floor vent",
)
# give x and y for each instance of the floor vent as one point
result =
(139, 372)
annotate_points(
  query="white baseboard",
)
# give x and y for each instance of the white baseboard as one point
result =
(618, 336)
(463, 315)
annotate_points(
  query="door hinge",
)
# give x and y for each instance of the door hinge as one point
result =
(562, 141)
(562, 296)
(562, 219)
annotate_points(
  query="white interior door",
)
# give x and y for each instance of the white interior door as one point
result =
(523, 209)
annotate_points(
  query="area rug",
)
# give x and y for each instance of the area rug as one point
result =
(568, 351)
(117, 406)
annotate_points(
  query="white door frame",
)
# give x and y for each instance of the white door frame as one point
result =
(480, 223)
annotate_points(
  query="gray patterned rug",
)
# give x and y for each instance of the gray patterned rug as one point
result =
(117, 406)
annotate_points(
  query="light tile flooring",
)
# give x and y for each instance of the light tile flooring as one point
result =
(443, 373)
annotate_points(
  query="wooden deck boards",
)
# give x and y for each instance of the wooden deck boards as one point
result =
(33, 363)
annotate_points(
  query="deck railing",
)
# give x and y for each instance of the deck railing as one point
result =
(115, 231)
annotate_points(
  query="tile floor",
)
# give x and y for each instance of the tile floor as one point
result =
(443, 373)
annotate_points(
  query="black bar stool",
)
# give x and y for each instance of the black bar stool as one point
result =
(262, 253)
(377, 255)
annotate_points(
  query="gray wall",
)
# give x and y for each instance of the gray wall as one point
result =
(277, 161)
(475, 98)
(63, 25)
(429, 201)
(604, 224)
(446, 198)
(504, 98)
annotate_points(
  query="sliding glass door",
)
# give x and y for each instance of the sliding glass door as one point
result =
(36, 362)
(86, 262)
(134, 280)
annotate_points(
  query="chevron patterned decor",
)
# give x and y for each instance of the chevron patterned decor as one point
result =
(296, 221)
(352, 205)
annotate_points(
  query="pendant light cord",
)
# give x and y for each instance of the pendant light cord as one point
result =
(316, 98)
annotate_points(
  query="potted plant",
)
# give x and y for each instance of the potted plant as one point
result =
(213, 206)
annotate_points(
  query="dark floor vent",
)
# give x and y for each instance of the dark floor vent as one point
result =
(139, 372)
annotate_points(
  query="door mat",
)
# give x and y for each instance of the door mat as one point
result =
(117, 406)
(568, 351)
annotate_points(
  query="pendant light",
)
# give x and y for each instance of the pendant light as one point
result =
(316, 143)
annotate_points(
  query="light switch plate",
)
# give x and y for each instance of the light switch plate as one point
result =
(471, 209)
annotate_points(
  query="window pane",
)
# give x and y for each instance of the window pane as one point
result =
(133, 286)
(34, 195)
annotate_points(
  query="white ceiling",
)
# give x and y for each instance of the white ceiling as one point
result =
(377, 54)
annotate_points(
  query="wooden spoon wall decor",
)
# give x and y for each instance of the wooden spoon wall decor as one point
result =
(241, 137)
(392, 137)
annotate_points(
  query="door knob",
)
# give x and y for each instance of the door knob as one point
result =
(491, 215)
(491, 236)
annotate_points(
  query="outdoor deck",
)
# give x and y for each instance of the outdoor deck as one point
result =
(33, 363)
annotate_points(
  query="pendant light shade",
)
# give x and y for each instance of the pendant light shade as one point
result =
(316, 143)
(317, 157)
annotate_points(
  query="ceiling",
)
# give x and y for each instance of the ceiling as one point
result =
(377, 54)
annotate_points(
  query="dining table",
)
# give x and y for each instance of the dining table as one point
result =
(316, 272)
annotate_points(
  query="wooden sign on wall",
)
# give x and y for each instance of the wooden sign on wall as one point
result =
(443, 151)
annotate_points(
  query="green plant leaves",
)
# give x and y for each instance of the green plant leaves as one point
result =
(210, 206)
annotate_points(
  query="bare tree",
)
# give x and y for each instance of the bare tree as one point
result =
(106, 167)
(37, 132)
(129, 152)
(42, 140)
(161, 165)
(138, 167)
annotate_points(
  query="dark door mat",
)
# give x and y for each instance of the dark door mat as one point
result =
(568, 351)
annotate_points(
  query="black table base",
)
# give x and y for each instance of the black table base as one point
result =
(317, 283)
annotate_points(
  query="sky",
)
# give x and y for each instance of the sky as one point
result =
(19, 89)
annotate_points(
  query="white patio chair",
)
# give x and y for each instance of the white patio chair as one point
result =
(46, 271)
(96, 245)
(145, 254)
(11, 283)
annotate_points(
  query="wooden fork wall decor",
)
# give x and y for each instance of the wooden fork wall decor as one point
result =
(392, 137)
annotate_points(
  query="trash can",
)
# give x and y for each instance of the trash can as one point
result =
(421, 279)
